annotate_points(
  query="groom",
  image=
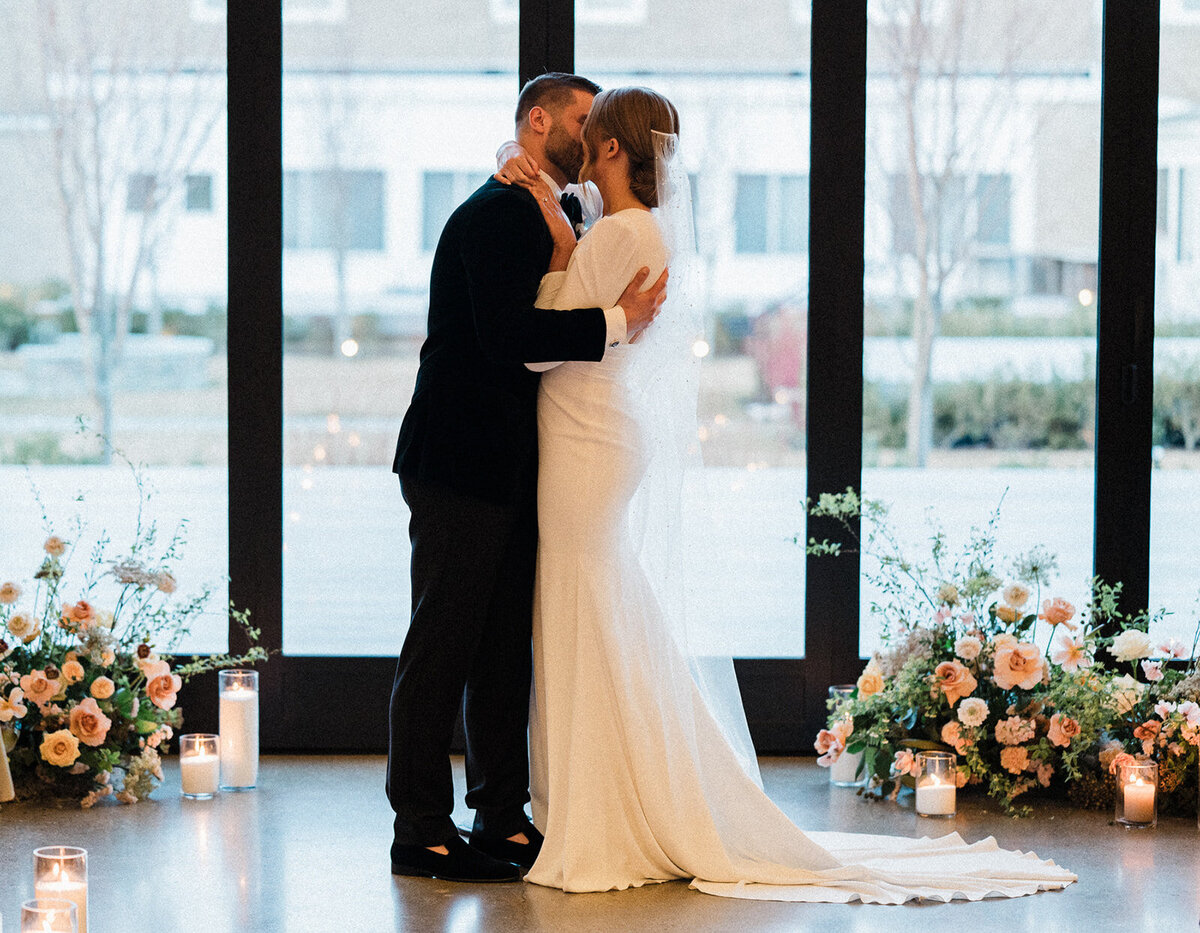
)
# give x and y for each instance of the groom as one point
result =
(467, 460)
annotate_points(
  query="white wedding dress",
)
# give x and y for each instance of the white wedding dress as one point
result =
(632, 777)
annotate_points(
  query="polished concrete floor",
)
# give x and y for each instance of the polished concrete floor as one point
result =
(307, 851)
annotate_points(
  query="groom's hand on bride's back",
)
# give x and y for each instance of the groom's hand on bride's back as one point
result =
(641, 307)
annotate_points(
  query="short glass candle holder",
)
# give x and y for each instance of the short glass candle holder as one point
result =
(61, 872)
(1137, 794)
(936, 784)
(49, 915)
(844, 771)
(199, 765)
(238, 725)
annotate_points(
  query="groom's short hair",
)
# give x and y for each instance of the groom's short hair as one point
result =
(551, 91)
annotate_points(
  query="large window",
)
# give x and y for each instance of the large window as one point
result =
(113, 288)
(981, 244)
(1174, 583)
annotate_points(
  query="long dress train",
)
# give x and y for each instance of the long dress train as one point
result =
(633, 779)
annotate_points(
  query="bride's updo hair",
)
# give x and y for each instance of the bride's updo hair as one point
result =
(630, 115)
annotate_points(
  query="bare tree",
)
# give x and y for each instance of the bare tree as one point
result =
(946, 122)
(128, 94)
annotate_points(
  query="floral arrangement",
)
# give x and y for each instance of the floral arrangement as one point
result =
(88, 691)
(962, 669)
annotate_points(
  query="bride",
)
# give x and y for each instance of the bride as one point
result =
(642, 769)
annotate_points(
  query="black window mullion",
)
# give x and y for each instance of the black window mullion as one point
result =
(1125, 308)
(547, 37)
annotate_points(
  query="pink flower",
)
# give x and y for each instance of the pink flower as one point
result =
(1015, 730)
(1173, 648)
(1045, 771)
(1163, 709)
(1057, 611)
(11, 706)
(1124, 758)
(904, 762)
(1069, 653)
(1153, 671)
(1018, 666)
(1014, 758)
(89, 724)
(38, 687)
(1062, 730)
(955, 680)
(1190, 711)
(952, 736)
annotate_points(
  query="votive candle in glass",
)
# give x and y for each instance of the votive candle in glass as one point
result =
(7, 792)
(61, 872)
(937, 786)
(844, 771)
(49, 915)
(1137, 793)
(199, 765)
(238, 717)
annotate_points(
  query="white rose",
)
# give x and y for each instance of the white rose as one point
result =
(1130, 645)
(22, 625)
(973, 711)
(968, 647)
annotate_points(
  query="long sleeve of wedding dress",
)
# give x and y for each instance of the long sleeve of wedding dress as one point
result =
(633, 778)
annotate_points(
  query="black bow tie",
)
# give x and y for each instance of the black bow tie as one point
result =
(572, 208)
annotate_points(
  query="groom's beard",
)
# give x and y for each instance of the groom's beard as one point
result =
(564, 152)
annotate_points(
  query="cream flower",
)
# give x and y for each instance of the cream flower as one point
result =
(1007, 614)
(948, 594)
(60, 748)
(973, 711)
(955, 680)
(1015, 595)
(1062, 730)
(11, 706)
(1125, 692)
(89, 724)
(870, 681)
(1130, 645)
(968, 647)
(1018, 666)
(1004, 640)
(1069, 652)
(54, 546)
(102, 688)
(24, 627)
(9, 593)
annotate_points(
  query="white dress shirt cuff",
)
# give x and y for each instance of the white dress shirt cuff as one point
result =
(615, 319)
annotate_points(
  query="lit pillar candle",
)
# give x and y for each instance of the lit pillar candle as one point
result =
(60, 872)
(239, 729)
(1139, 801)
(1137, 788)
(936, 784)
(199, 765)
(48, 916)
(6, 784)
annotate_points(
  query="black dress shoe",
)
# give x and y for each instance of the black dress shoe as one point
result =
(462, 863)
(501, 847)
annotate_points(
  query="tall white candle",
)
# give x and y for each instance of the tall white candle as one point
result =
(239, 737)
(6, 785)
(1139, 801)
(935, 797)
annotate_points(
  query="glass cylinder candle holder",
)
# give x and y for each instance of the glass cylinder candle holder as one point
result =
(937, 784)
(61, 873)
(49, 915)
(238, 718)
(1137, 794)
(199, 765)
(7, 791)
(844, 771)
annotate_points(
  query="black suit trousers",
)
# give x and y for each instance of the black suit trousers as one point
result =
(468, 643)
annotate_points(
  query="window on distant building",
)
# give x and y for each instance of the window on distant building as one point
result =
(771, 214)
(441, 193)
(139, 194)
(950, 214)
(328, 209)
(993, 221)
(198, 193)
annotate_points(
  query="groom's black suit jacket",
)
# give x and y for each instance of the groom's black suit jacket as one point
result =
(472, 422)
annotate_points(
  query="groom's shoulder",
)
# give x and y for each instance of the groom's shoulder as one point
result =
(494, 197)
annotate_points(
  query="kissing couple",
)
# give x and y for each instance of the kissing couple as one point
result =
(542, 457)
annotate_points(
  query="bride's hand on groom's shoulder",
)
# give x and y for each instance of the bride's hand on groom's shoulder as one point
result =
(642, 307)
(516, 166)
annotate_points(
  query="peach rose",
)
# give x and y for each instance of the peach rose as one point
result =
(9, 593)
(89, 724)
(955, 680)
(60, 748)
(149, 664)
(72, 672)
(961, 776)
(1057, 611)
(1062, 730)
(952, 736)
(1119, 761)
(39, 688)
(1014, 758)
(870, 681)
(1006, 614)
(904, 762)
(76, 615)
(1020, 665)
(54, 546)
(102, 688)
(165, 582)
(829, 746)
(162, 687)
